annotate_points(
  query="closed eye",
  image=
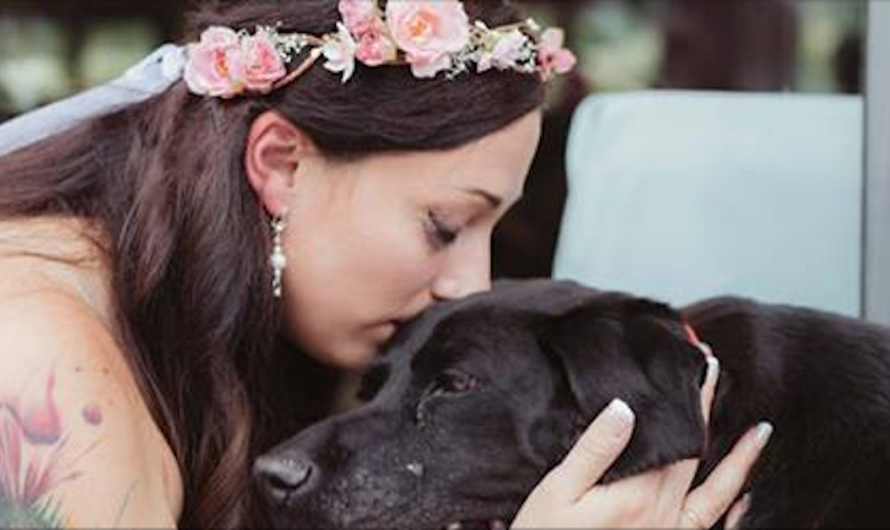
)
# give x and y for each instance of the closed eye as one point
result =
(440, 233)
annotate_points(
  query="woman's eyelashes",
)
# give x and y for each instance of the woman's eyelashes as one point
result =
(439, 232)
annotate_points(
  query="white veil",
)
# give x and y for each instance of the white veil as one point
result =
(152, 76)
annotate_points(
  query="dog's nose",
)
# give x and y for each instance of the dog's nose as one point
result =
(280, 478)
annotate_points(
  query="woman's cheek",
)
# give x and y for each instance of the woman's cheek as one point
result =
(407, 264)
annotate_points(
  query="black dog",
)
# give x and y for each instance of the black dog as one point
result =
(476, 399)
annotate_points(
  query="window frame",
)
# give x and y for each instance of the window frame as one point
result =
(876, 188)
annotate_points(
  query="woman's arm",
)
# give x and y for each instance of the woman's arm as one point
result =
(78, 447)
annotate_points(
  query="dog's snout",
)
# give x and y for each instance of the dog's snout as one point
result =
(281, 478)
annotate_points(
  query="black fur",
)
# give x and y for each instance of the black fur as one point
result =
(475, 400)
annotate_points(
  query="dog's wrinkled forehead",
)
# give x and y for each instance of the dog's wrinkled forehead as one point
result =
(541, 297)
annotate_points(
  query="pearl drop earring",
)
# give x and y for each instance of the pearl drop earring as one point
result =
(277, 260)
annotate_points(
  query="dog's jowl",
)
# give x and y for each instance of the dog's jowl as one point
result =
(474, 401)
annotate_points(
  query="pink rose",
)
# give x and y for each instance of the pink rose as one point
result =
(263, 64)
(429, 32)
(375, 47)
(506, 53)
(359, 16)
(552, 57)
(215, 65)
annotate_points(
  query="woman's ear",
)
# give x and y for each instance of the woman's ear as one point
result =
(275, 149)
(633, 349)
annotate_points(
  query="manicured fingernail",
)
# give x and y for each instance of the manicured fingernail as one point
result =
(620, 410)
(763, 434)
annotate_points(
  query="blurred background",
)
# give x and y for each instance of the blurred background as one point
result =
(52, 48)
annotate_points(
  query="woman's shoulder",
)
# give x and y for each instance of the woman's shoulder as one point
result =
(41, 325)
(68, 397)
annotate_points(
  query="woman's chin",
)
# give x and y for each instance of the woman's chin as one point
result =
(353, 352)
(351, 355)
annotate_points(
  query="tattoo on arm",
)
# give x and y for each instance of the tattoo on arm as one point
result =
(33, 460)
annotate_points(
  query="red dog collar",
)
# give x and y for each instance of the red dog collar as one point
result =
(697, 342)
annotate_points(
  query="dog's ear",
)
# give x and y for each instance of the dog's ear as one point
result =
(634, 350)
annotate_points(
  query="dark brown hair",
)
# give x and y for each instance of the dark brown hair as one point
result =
(188, 240)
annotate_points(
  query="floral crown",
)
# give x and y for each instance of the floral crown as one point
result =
(431, 36)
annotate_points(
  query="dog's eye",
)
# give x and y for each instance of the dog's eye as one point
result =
(450, 384)
(454, 382)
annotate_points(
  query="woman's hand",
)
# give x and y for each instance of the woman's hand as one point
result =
(568, 497)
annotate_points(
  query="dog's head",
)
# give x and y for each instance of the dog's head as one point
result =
(474, 401)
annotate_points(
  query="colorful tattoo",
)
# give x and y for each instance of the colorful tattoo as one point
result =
(92, 414)
(31, 453)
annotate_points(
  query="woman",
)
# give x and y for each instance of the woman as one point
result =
(153, 256)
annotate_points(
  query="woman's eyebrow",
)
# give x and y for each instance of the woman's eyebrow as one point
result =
(493, 200)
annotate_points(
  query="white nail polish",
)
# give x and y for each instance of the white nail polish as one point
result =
(621, 411)
(764, 433)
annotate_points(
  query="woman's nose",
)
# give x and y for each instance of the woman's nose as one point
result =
(466, 274)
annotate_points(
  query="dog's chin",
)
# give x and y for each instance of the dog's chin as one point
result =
(482, 524)
(495, 523)
(290, 520)
(481, 516)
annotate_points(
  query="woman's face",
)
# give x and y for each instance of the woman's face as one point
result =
(372, 243)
